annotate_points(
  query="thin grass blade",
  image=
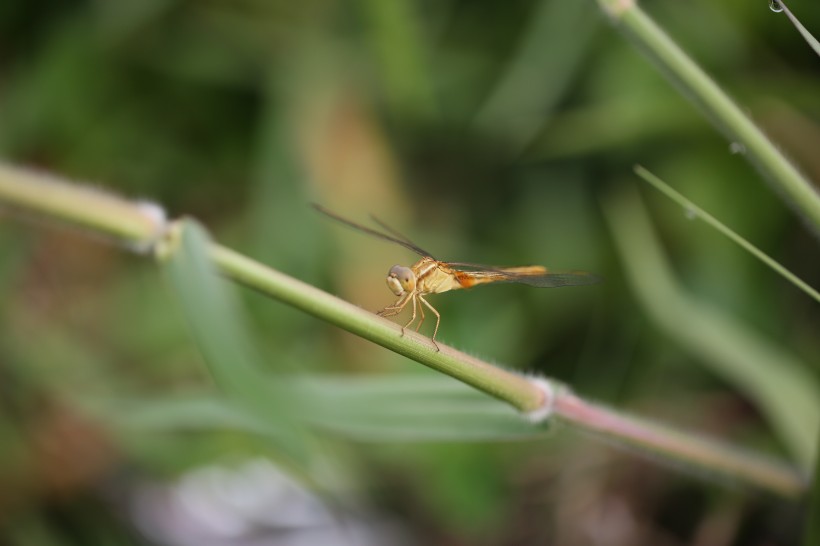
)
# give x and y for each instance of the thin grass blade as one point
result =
(691, 208)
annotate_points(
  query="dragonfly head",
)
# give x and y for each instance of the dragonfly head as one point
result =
(401, 280)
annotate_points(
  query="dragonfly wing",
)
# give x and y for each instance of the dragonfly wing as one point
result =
(533, 275)
(394, 237)
(554, 279)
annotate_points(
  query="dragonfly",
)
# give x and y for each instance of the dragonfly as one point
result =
(432, 276)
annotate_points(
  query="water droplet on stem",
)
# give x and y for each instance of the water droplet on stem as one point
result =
(775, 6)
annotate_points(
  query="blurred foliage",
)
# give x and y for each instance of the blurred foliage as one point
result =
(488, 132)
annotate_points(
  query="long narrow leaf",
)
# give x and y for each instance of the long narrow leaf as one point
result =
(219, 329)
(378, 409)
(811, 40)
(715, 223)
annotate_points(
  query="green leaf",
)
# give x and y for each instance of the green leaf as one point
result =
(218, 326)
(379, 409)
(185, 412)
(413, 408)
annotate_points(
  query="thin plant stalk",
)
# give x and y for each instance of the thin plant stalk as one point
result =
(720, 109)
(699, 453)
(135, 224)
(811, 40)
(691, 208)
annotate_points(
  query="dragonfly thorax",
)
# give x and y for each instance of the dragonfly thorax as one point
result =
(401, 280)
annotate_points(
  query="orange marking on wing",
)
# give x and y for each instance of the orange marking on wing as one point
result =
(466, 279)
(469, 279)
(526, 270)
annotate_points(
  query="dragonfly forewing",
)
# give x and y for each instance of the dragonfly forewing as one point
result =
(533, 275)
(556, 279)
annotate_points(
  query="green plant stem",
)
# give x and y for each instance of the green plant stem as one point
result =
(521, 392)
(804, 32)
(696, 452)
(694, 82)
(715, 223)
(135, 224)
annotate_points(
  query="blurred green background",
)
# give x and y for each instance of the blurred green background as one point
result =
(490, 132)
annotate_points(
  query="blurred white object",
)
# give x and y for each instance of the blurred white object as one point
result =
(254, 504)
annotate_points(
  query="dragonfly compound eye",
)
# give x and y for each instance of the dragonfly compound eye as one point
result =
(401, 279)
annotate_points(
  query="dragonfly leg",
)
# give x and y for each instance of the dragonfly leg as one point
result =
(438, 321)
(390, 311)
(421, 320)
(415, 306)
(396, 308)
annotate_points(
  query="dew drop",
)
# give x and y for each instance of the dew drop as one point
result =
(737, 148)
(691, 214)
(775, 6)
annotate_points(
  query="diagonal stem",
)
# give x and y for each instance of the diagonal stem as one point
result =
(694, 83)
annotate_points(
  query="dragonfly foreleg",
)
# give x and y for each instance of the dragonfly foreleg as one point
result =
(438, 321)
(396, 308)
